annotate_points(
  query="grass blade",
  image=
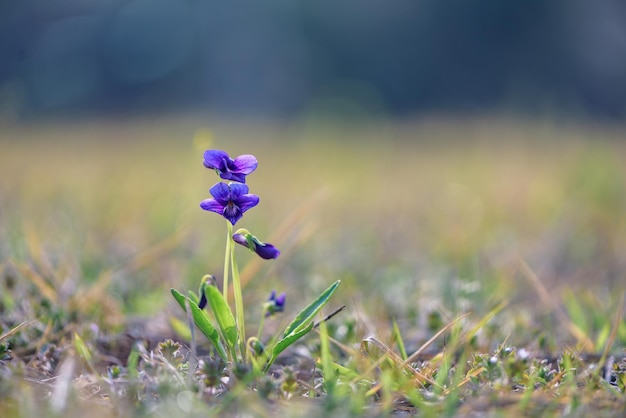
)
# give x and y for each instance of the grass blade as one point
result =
(15, 329)
(399, 341)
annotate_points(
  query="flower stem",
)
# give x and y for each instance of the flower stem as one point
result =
(229, 246)
(258, 336)
(239, 314)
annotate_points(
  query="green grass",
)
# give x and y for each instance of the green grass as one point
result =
(482, 266)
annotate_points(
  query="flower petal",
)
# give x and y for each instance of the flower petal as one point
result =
(232, 213)
(280, 300)
(221, 193)
(216, 159)
(227, 175)
(237, 189)
(246, 201)
(244, 164)
(240, 239)
(212, 205)
(267, 252)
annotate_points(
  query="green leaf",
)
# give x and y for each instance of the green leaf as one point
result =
(308, 313)
(202, 321)
(132, 363)
(286, 342)
(180, 298)
(303, 323)
(345, 372)
(81, 348)
(223, 315)
(399, 341)
(576, 311)
(330, 377)
(193, 297)
(603, 336)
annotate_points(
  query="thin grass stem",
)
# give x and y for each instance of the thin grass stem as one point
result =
(239, 313)
(229, 245)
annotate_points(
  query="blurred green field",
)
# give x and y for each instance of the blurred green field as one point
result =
(422, 221)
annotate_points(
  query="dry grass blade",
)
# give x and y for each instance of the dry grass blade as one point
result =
(330, 316)
(384, 348)
(485, 319)
(465, 380)
(432, 339)
(15, 329)
(549, 301)
(398, 361)
(345, 348)
(42, 285)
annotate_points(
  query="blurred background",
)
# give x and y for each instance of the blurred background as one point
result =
(422, 151)
(283, 59)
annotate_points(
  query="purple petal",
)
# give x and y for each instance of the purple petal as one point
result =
(267, 252)
(246, 201)
(227, 175)
(240, 239)
(221, 193)
(216, 159)
(212, 205)
(232, 213)
(244, 164)
(237, 189)
(280, 301)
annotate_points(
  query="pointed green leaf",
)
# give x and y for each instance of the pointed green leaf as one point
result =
(223, 314)
(399, 341)
(180, 298)
(286, 342)
(132, 363)
(193, 296)
(202, 321)
(308, 313)
(302, 324)
(81, 348)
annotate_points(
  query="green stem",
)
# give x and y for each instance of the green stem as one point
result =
(258, 336)
(229, 241)
(239, 314)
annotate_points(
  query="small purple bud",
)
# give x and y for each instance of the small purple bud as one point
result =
(207, 280)
(263, 249)
(275, 303)
(203, 301)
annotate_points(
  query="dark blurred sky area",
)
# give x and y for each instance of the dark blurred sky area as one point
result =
(286, 58)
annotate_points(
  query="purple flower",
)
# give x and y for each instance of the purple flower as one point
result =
(263, 249)
(275, 304)
(227, 168)
(230, 201)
